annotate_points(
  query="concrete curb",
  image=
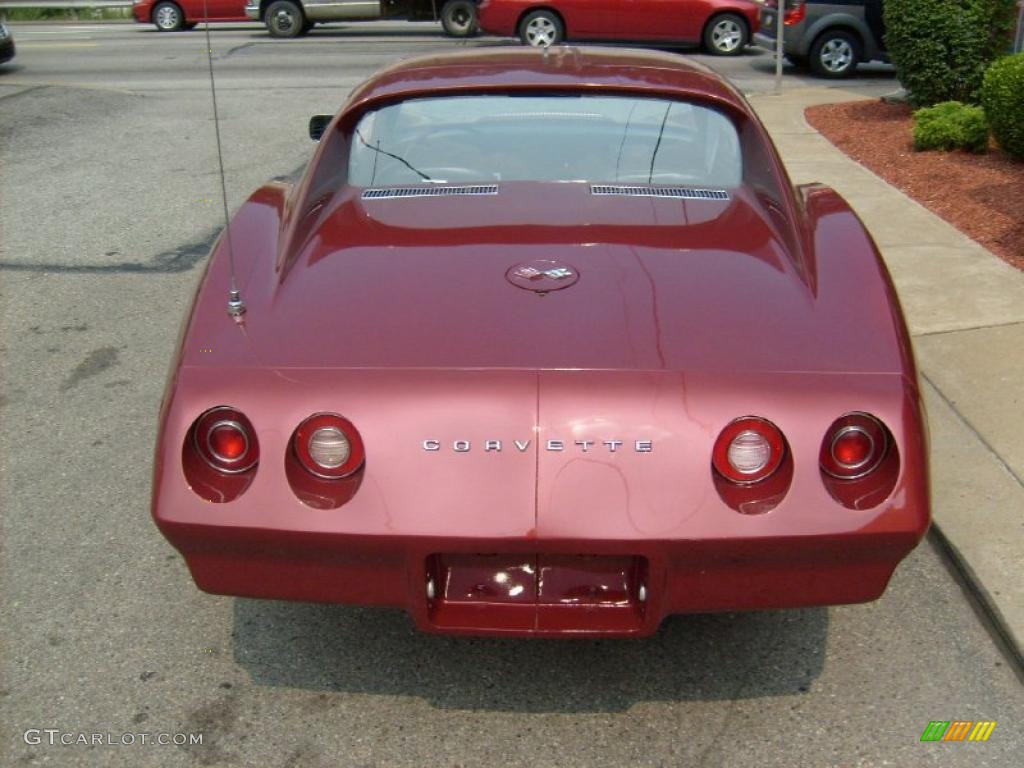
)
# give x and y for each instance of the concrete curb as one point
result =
(980, 599)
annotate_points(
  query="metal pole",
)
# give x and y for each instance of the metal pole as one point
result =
(778, 47)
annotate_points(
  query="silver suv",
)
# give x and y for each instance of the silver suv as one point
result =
(831, 36)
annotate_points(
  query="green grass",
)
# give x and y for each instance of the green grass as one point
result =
(66, 14)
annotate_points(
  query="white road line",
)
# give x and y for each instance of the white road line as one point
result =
(54, 35)
(34, 46)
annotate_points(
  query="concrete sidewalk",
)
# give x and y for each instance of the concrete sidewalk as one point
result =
(965, 309)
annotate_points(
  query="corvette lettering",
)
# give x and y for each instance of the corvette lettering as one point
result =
(584, 446)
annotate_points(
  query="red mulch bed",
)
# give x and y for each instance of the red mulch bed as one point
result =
(981, 195)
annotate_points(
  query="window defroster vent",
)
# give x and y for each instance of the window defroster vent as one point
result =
(441, 191)
(682, 193)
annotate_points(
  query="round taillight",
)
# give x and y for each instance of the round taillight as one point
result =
(226, 441)
(329, 446)
(748, 450)
(853, 447)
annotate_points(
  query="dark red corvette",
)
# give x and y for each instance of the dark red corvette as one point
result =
(545, 343)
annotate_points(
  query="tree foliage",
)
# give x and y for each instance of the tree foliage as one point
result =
(1002, 95)
(941, 48)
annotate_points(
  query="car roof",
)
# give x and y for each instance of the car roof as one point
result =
(561, 68)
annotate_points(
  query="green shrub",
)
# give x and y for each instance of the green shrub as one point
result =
(951, 125)
(942, 47)
(36, 14)
(1002, 95)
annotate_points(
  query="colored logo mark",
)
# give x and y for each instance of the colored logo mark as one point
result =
(958, 730)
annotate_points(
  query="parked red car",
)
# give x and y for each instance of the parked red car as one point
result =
(544, 344)
(172, 15)
(724, 27)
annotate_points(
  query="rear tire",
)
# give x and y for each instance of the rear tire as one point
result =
(168, 17)
(541, 29)
(726, 35)
(285, 19)
(834, 54)
(458, 17)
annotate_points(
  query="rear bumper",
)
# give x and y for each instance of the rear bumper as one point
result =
(433, 500)
(767, 39)
(595, 595)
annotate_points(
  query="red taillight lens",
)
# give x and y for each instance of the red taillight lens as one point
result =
(329, 446)
(748, 450)
(225, 440)
(853, 447)
(795, 15)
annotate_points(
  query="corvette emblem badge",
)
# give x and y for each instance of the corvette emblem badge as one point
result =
(542, 276)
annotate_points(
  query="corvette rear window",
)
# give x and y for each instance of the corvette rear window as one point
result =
(477, 139)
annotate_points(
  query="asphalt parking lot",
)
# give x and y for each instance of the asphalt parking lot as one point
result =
(109, 200)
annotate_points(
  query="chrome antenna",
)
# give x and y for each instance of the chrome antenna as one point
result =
(236, 307)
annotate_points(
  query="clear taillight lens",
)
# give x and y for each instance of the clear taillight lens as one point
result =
(748, 450)
(749, 453)
(328, 446)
